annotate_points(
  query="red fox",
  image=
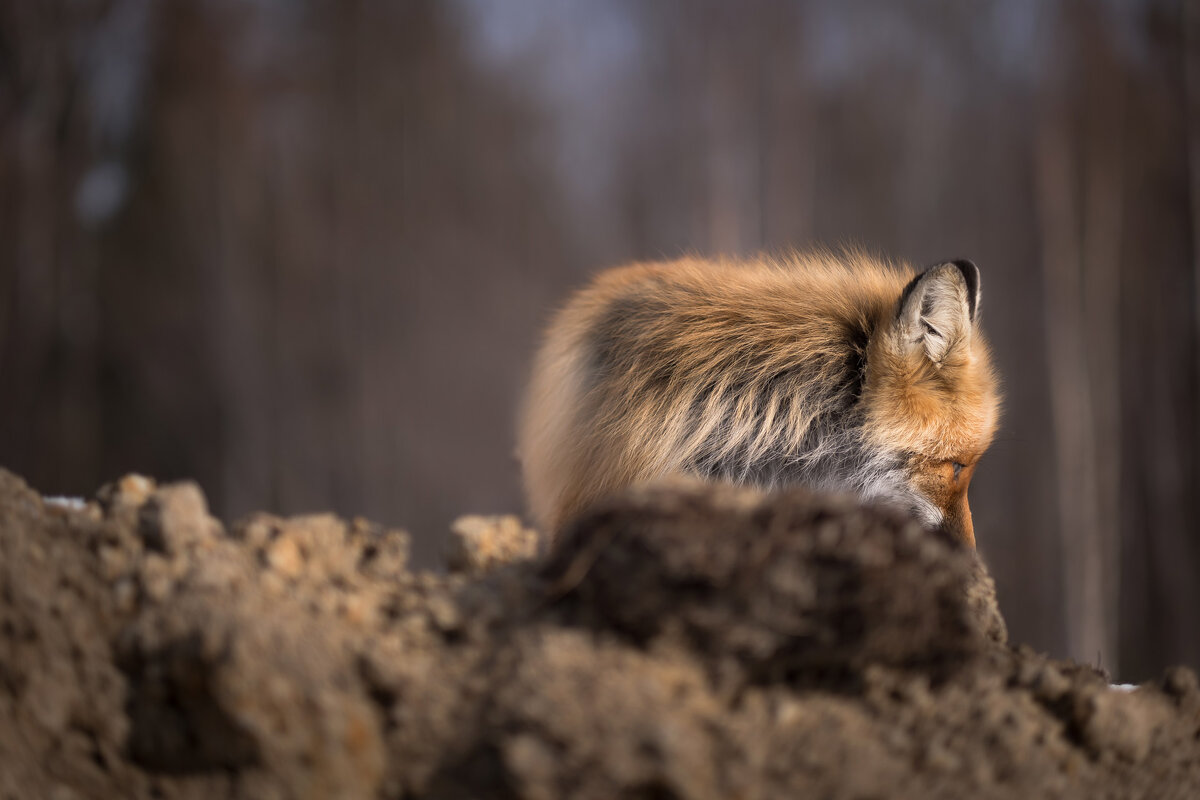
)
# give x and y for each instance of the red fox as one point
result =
(837, 372)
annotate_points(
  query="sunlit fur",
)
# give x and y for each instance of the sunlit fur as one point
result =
(806, 370)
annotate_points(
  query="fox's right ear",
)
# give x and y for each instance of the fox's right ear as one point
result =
(936, 310)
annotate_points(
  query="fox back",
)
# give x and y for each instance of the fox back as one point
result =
(842, 373)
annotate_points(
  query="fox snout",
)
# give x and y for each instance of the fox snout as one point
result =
(945, 485)
(961, 528)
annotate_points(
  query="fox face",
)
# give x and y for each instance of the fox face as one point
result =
(929, 397)
(841, 373)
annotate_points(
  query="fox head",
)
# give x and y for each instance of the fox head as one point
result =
(930, 402)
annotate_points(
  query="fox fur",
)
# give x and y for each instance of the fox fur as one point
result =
(841, 372)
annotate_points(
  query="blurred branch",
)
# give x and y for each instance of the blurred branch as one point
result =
(1102, 236)
(1074, 452)
(1191, 100)
(1081, 209)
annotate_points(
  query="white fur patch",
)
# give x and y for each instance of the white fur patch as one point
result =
(892, 487)
(877, 478)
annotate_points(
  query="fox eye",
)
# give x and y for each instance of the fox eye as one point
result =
(957, 469)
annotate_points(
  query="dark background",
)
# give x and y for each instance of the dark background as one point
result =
(301, 251)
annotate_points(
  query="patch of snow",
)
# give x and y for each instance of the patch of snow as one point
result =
(72, 503)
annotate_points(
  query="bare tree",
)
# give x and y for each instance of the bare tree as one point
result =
(1078, 168)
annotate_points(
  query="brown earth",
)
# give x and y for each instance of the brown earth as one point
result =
(676, 643)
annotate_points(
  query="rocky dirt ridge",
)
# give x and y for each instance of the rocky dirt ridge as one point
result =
(676, 643)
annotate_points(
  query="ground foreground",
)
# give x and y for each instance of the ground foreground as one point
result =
(675, 644)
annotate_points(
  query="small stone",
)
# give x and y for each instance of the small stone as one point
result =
(444, 613)
(358, 610)
(176, 518)
(479, 544)
(256, 530)
(122, 499)
(1050, 684)
(1119, 722)
(114, 561)
(1180, 681)
(285, 556)
(135, 489)
(156, 577)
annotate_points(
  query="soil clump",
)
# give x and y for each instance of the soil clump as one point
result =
(677, 642)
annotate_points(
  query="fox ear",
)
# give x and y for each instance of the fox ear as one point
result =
(937, 308)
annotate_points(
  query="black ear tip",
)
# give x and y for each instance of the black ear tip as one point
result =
(967, 267)
(970, 274)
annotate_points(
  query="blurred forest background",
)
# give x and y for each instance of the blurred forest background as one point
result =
(301, 250)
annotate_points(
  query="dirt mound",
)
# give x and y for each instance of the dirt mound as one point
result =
(799, 590)
(677, 643)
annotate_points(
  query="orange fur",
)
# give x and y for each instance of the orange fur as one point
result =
(750, 371)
